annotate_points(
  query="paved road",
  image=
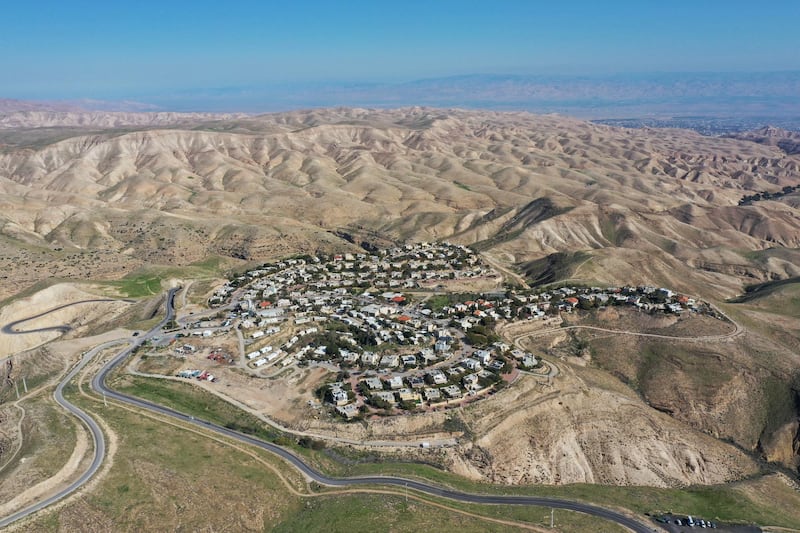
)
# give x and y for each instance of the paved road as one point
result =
(426, 488)
(98, 383)
(8, 329)
(97, 435)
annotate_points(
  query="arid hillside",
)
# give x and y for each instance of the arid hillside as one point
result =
(97, 196)
(569, 198)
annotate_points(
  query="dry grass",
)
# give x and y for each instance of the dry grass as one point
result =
(48, 438)
(657, 204)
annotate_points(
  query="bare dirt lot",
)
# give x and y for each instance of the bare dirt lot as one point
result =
(627, 319)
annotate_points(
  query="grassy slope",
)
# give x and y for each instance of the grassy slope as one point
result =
(48, 439)
(368, 513)
(163, 478)
(553, 268)
(729, 502)
(782, 296)
(149, 281)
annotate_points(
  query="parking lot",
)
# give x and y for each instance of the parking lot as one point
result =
(680, 524)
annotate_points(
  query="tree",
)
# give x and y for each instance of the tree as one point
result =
(408, 405)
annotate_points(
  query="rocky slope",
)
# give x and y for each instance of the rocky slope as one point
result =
(523, 186)
(555, 198)
(788, 141)
(574, 434)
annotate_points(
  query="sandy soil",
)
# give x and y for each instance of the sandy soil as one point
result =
(574, 433)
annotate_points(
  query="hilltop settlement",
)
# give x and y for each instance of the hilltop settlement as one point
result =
(395, 326)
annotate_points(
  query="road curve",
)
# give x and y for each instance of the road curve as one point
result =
(97, 434)
(97, 438)
(420, 486)
(99, 385)
(8, 329)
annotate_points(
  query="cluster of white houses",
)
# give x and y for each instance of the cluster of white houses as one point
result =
(408, 267)
(540, 304)
(465, 377)
(309, 294)
(349, 311)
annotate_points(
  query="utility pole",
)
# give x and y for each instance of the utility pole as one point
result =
(105, 403)
(552, 516)
(24, 385)
(16, 387)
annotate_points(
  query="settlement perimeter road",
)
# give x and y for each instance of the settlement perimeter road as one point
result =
(99, 385)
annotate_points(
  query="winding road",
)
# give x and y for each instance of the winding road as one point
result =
(99, 384)
(516, 339)
(97, 434)
(9, 329)
(94, 429)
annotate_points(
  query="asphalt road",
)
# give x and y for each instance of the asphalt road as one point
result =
(98, 384)
(9, 328)
(426, 488)
(94, 429)
(97, 434)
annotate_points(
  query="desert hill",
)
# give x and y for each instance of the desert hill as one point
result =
(524, 187)
(788, 141)
(100, 195)
(76, 118)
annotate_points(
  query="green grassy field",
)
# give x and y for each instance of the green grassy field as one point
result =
(149, 281)
(165, 478)
(727, 502)
(380, 512)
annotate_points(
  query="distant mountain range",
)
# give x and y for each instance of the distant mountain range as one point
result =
(768, 94)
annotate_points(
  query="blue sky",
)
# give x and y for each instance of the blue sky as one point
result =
(116, 49)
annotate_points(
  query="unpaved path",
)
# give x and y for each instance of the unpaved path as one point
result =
(494, 263)
(58, 479)
(738, 330)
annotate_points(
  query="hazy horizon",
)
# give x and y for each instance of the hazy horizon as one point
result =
(768, 95)
(163, 53)
(265, 56)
